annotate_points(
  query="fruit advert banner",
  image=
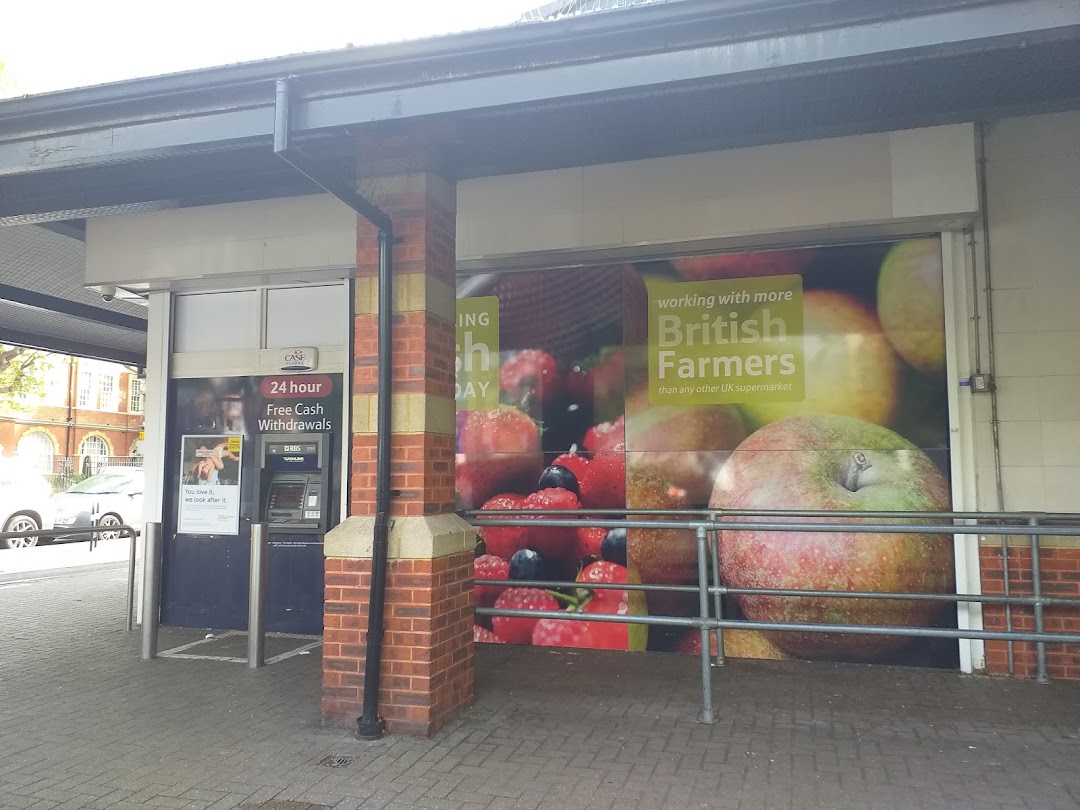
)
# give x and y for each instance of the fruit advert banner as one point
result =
(714, 342)
(795, 379)
(477, 353)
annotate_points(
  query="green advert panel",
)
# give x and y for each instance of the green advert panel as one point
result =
(788, 379)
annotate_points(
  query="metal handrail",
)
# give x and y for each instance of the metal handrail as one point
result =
(122, 530)
(706, 523)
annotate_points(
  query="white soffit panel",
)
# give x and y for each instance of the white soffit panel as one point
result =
(223, 321)
(307, 316)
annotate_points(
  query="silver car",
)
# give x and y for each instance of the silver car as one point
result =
(24, 502)
(111, 498)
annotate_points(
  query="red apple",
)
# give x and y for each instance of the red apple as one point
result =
(744, 265)
(841, 463)
(686, 446)
(910, 303)
(850, 367)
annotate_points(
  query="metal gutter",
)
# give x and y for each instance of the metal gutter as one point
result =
(369, 726)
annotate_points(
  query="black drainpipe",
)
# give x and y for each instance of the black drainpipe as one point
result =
(369, 726)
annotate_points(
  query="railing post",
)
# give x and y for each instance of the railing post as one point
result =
(131, 582)
(707, 715)
(1036, 591)
(256, 638)
(718, 600)
(151, 591)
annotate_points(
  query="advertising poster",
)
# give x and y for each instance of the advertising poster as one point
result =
(209, 499)
(787, 379)
(236, 411)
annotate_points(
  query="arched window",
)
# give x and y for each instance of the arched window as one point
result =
(95, 454)
(37, 449)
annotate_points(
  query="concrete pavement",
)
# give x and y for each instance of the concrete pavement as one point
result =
(85, 724)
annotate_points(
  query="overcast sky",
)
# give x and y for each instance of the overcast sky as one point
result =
(72, 43)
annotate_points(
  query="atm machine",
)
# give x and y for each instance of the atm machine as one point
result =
(293, 483)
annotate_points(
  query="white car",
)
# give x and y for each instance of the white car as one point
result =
(24, 502)
(113, 497)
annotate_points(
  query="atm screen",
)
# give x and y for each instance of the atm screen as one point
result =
(287, 496)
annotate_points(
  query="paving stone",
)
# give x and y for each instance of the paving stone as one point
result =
(85, 724)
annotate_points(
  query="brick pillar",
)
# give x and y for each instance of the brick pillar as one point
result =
(1060, 566)
(427, 674)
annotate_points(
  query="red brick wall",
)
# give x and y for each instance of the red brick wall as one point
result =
(427, 650)
(1060, 577)
(427, 675)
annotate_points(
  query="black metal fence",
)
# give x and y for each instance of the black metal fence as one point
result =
(65, 472)
(710, 590)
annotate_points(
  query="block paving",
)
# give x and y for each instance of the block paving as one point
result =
(85, 724)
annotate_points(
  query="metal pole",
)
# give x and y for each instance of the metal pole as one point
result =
(131, 582)
(256, 638)
(151, 590)
(707, 715)
(1036, 591)
(1008, 606)
(718, 599)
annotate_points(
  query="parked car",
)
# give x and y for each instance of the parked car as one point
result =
(24, 502)
(113, 497)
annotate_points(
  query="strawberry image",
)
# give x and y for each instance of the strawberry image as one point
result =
(589, 541)
(530, 380)
(597, 384)
(613, 635)
(488, 566)
(499, 451)
(516, 630)
(503, 541)
(574, 462)
(481, 635)
(560, 633)
(551, 541)
(598, 635)
(604, 484)
(607, 436)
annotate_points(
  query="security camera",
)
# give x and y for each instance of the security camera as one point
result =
(108, 293)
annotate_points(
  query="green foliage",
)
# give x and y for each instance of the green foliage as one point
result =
(22, 373)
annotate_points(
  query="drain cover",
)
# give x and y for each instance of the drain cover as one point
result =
(337, 762)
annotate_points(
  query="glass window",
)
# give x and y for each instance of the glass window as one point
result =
(36, 448)
(107, 393)
(136, 396)
(95, 454)
(86, 388)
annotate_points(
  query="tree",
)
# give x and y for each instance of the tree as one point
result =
(21, 375)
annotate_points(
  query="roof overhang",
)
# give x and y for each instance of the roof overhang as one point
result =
(647, 80)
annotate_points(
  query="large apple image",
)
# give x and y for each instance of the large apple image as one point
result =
(686, 446)
(850, 368)
(755, 264)
(841, 463)
(910, 303)
(499, 452)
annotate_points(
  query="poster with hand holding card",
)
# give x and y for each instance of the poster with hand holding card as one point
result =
(210, 470)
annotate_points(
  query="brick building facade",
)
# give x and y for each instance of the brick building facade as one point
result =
(87, 413)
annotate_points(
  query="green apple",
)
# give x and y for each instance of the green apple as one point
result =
(838, 463)
(850, 367)
(910, 303)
